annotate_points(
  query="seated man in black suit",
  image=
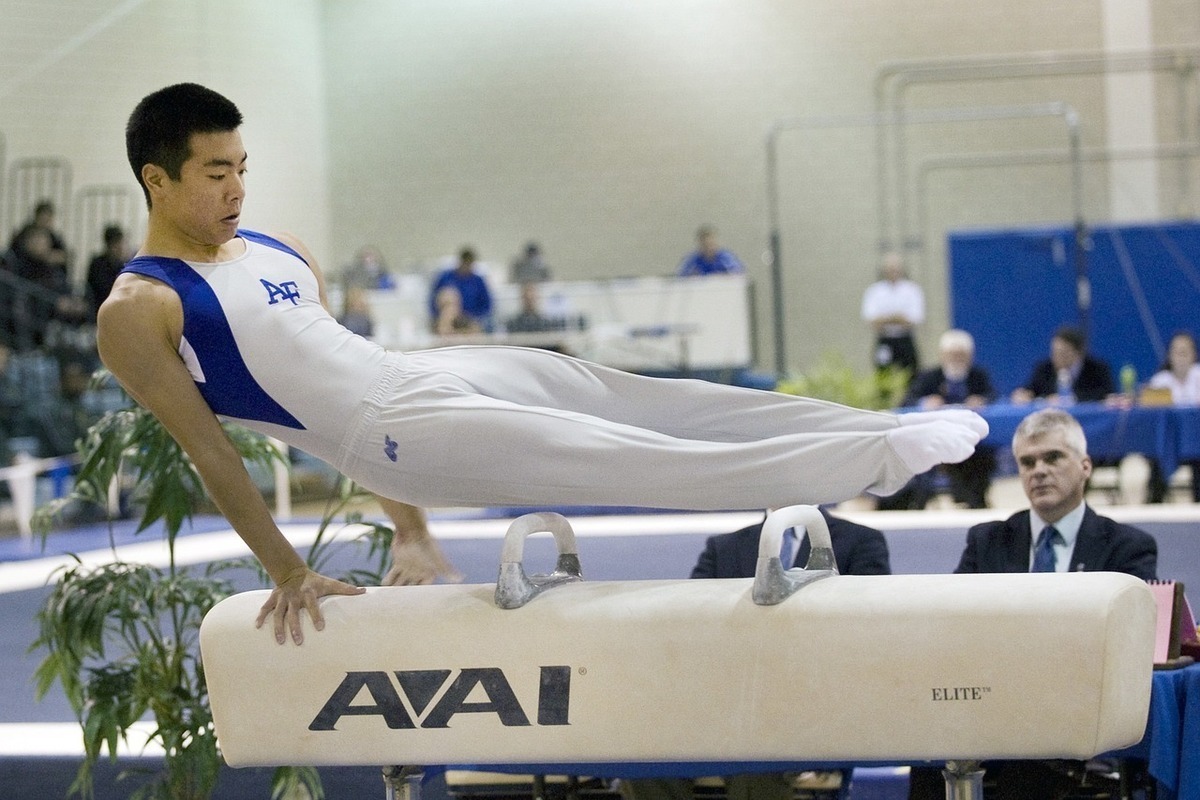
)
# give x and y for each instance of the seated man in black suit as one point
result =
(1069, 375)
(1054, 467)
(1059, 533)
(857, 550)
(957, 380)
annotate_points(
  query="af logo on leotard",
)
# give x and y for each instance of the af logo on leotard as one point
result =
(389, 447)
(284, 291)
(208, 346)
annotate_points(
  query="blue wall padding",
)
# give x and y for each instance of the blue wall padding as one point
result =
(1012, 288)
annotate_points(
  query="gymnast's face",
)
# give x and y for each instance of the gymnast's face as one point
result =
(1052, 472)
(205, 204)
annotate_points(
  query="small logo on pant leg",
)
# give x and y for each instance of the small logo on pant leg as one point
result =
(389, 447)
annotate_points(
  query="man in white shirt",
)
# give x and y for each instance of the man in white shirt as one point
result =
(894, 306)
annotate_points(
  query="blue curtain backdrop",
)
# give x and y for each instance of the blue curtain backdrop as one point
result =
(1012, 288)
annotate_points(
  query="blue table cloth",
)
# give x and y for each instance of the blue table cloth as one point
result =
(1172, 742)
(1169, 434)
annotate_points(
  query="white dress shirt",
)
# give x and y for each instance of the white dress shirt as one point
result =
(1184, 392)
(885, 299)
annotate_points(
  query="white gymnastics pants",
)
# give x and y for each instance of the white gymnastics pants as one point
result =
(480, 426)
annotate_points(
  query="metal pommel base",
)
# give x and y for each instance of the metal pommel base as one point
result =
(964, 780)
(402, 782)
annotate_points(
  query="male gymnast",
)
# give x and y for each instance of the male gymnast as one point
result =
(210, 321)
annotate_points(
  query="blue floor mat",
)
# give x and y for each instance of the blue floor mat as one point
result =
(97, 536)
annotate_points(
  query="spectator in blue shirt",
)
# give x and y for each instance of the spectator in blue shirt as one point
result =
(709, 258)
(472, 289)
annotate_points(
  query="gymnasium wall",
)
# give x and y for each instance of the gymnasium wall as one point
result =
(71, 71)
(609, 129)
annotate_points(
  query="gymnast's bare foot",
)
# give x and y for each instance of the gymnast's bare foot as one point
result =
(959, 416)
(924, 445)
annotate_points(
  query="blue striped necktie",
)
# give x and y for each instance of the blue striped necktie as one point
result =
(1043, 557)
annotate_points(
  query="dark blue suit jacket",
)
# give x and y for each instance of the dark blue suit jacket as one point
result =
(857, 549)
(1102, 545)
(933, 381)
(1093, 383)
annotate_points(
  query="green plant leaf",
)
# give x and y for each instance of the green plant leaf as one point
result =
(287, 780)
(121, 639)
(833, 379)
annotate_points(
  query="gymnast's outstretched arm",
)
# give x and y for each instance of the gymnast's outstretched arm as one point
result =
(138, 334)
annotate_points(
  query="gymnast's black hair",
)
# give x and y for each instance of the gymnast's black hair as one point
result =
(162, 124)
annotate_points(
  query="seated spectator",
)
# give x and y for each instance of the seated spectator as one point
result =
(1069, 375)
(857, 550)
(450, 319)
(59, 421)
(356, 312)
(1052, 461)
(1181, 376)
(1059, 533)
(368, 270)
(531, 319)
(35, 261)
(54, 251)
(530, 268)
(956, 381)
(105, 266)
(475, 298)
(50, 298)
(709, 258)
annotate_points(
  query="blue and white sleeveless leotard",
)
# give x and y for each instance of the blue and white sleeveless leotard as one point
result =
(253, 327)
(492, 425)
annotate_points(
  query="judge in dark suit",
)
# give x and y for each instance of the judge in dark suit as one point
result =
(958, 381)
(857, 550)
(1069, 373)
(1100, 545)
(1059, 533)
(1052, 461)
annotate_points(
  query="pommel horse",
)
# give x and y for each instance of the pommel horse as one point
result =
(800, 665)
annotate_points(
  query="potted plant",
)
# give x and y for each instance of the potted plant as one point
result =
(833, 379)
(121, 638)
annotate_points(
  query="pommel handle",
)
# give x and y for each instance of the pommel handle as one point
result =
(513, 587)
(772, 582)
